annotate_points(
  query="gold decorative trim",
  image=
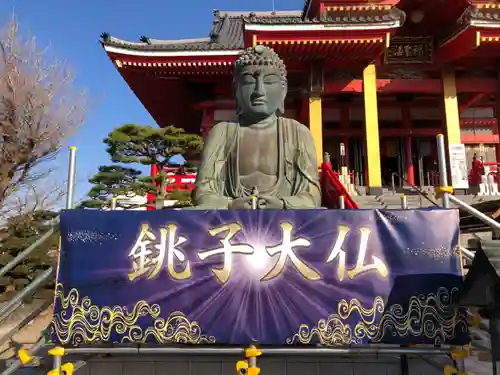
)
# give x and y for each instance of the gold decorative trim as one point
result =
(81, 322)
(487, 6)
(431, 317)
(324, 41)
(177, 64)
(359, 8)
(489, 39)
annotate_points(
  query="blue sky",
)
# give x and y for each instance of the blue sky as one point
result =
(72, 30)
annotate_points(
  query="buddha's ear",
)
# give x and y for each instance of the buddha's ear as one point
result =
(236, 97)
(281, 108)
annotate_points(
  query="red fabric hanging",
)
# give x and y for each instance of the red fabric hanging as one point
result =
(332, 189)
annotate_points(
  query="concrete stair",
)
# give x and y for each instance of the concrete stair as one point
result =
(393, 201)
(30, 333)
(474, 199)
(490, 247)
(390, 201)
(492, 250)
(367, 202)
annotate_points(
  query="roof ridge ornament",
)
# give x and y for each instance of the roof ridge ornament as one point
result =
(106, 37)
(145, 39)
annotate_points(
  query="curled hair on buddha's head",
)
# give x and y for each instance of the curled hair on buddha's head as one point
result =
(265, 57)
(260, 56)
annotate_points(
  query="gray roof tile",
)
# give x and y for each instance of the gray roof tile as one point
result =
(227, 29)
(471, 14)
(340, 18)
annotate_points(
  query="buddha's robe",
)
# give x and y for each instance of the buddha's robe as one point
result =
(297, 184)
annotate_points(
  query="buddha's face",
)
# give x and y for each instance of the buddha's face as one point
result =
(259, 92)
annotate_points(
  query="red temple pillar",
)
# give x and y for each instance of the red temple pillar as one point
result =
(410, 170)
(497, 116)
(344, 125)
(496, 131)
(152, 196)
(154, 170)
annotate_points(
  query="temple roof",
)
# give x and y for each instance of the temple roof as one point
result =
(474, 16)
(227, 32)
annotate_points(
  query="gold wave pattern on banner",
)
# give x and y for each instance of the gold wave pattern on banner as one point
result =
(429, 316)
(80, 322)
(335, 330)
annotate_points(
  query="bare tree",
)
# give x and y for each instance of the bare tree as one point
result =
(42, 194)
(39, 109)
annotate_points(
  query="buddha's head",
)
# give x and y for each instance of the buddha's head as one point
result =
(259, 84)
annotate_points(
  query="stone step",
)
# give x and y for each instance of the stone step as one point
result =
(389, 200)
(393, 201)
(367, 202)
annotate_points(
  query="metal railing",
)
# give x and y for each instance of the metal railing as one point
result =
(447, 194)
(362, 350)
(46, 276)
(413, 187)
(451, 198)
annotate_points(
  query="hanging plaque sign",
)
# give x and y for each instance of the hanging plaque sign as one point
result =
(409, 50)
(458, 166)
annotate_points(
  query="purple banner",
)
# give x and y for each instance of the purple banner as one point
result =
(274, 277)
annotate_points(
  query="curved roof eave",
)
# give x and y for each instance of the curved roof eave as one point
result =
(169, 53)
(324, 26)
(154, 47)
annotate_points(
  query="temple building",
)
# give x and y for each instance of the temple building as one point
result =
(374, 81)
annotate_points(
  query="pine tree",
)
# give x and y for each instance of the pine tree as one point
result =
(146, 145)
(18, 233)
(113, 181)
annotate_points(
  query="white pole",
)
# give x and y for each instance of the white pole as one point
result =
(404, 202)
(342, 202)
(255, 196)
(71, 177)
(443, 172)
(113, 203)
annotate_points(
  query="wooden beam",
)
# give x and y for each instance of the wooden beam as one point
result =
(477, 85)
(383, 133)
(469, 102)
(414, 86)
(457, 47)
(328, 102)
(401, 132)
(479, 138)
(478, 122)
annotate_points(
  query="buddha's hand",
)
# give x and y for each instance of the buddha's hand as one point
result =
(241, 204)
(270, 203)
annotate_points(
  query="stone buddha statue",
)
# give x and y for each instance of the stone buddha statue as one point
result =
(263, 151)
